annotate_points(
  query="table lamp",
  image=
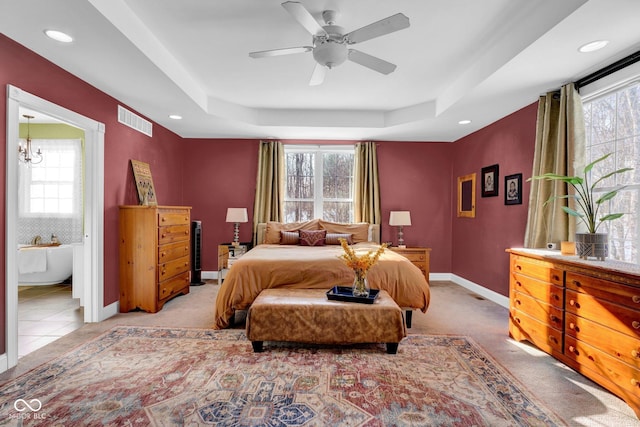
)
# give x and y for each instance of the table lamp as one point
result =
(237, 215)
(400, 219)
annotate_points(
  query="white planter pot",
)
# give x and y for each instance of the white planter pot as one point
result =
(592, 245)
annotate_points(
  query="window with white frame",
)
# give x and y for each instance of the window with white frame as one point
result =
(612, 124)
(53, 188)
(319, 183)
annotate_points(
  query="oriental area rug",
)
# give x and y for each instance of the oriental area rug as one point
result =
(135, 376)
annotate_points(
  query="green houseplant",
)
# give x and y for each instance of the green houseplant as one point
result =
(591, 243)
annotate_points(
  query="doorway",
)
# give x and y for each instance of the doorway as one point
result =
(88, 259)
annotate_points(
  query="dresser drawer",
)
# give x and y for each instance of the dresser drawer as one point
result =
(538, 270)
(611, 291)
(538, 289)
(170, 287)
(615, 344)
(544, 337)
(172, 268)
(613, 370)
(173, 233)
(539, 310)
(414, 256)
(616, 317)
(173, 251)
(173, 217)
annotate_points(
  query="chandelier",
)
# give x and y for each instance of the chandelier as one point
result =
(25, 154)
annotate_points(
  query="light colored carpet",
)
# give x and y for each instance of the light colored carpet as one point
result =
(454, 310)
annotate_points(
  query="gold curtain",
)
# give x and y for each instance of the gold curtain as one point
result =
(269, 184)
(559, 149)
(366, 186)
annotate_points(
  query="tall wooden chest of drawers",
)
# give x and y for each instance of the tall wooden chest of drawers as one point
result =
(584, 313)
(155, 255)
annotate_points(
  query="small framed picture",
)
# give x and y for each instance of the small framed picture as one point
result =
(513, 189)
(490, 181)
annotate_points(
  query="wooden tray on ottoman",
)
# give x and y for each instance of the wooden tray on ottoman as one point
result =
(308, 316)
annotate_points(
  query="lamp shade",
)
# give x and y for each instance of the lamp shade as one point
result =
(237, 215)
(400, 218)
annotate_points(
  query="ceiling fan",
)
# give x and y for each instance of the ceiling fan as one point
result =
(330, 43)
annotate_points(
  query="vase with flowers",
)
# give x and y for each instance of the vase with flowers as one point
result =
(360, 264)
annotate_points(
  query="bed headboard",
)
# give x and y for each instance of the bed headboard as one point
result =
(374, 232)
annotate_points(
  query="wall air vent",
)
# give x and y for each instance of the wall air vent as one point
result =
(134, 121)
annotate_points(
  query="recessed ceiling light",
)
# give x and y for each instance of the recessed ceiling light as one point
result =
(464, 122)
(593, 46)
(59, 36)
(175, 116)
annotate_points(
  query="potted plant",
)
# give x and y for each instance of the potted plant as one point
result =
(591, 243)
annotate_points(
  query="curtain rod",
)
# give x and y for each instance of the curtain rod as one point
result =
(609, 69)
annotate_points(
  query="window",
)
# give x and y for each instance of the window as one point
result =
(612, 123)
(319, 183)
(52, 188)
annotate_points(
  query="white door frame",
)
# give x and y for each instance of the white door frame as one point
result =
(92, 278)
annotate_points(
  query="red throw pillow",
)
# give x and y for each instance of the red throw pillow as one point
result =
(312, 237)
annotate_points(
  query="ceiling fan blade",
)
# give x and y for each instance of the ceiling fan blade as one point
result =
(302, 15)
(278, 52)
(384, 26)
(318, 75)
(376, 64)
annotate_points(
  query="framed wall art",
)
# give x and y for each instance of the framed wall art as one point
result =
(467, 196)
(490, 183)
(513, 189)
(144, 183)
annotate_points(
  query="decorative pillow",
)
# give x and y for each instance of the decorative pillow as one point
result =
(289, 237)
(359, 231)
(312, 237)
(332, 238)
(273, 229)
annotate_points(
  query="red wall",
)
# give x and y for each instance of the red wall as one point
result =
(419, 177)
(415, 177)
(478, 244)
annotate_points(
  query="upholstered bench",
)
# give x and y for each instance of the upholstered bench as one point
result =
(308, 316)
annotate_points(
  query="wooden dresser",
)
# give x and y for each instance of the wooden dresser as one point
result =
(418, 257)
(584, 313)
(155, 255)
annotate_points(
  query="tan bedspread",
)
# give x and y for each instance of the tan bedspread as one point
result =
(319, 267)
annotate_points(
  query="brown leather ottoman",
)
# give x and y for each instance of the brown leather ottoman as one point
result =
(308, 316)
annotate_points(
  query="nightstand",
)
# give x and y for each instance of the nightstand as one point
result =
(227, 254)
(418, 257)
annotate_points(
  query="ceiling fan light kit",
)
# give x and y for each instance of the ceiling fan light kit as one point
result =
(330, 43)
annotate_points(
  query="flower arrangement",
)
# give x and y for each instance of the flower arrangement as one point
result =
(360, 264)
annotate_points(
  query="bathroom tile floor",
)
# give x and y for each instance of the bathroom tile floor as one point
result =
(45, 313)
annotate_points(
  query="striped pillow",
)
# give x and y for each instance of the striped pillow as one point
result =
(289, 237)
(332, 238)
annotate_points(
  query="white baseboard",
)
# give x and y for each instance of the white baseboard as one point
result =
(474, 287)
(209, 274)
(4, 362)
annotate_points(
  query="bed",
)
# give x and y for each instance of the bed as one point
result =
(280, 263)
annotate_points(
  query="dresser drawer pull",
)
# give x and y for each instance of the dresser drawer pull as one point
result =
(577, 283)
(574, 303)
(555, 297)
(553, 339)
(574, 327)
(574, 350)
(636, 299)
(518, 283)
(553, 318)
(635, 353)
(635, 324)
(635, 382)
